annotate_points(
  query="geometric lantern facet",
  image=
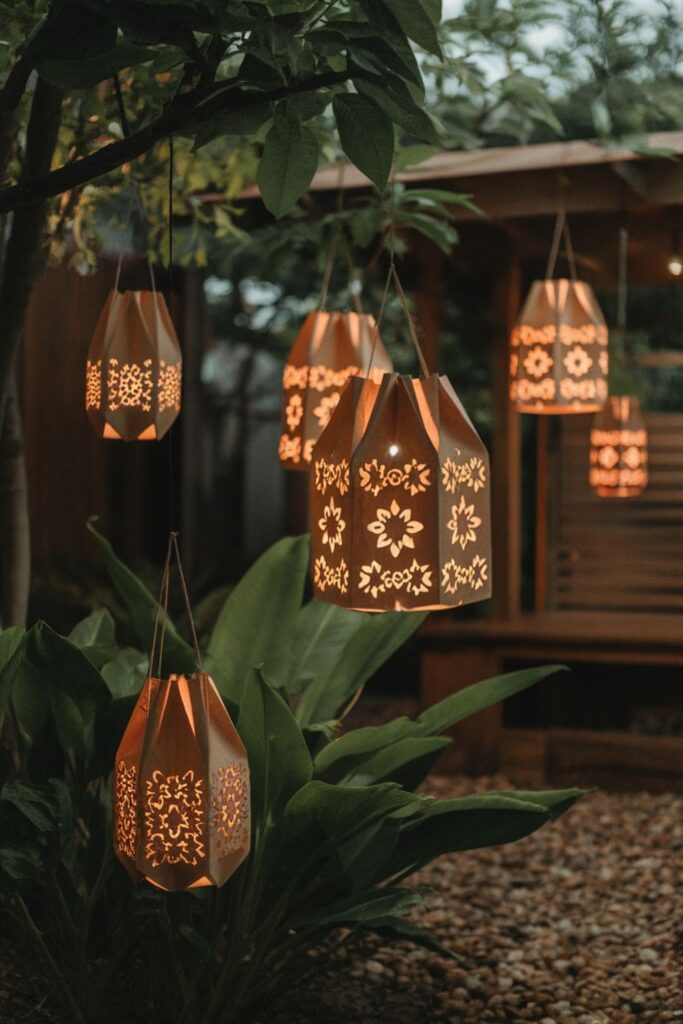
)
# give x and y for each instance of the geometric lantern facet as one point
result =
(134, 368)
(619, 449)
(558, 350)
(181, 787)
(400, 499)
(329, 348)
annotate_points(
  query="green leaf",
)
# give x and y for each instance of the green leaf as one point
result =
(393, 96)
(417, 18)
(406, 762)
(289, 161)
(442, 234)
(91, 69)
(237, 122)
(322, 630)
(142, 608)
(393, 928)
(42, 804)
(365, 651)
(97, 629)
(366, 135)
(257, 625)
(555, 801)
(366, 908)
(279, 761)
(10, 639)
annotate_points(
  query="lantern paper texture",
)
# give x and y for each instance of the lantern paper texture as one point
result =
(558, 350)
(330, 348)
(619, 449)
(134, 368)
(181, 787)
(400, 499)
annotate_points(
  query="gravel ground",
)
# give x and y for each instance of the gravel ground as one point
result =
(581, 923)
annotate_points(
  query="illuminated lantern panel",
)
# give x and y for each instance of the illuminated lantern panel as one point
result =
(558, 350)
(618, 449)
(181, 787)
(329, 348)
(400, 499)
(134, 368)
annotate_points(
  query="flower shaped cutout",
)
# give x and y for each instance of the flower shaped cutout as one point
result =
(479, 569)
(370, 581)
(418, 578)
(464, 523)
(416, 476)
(371, 476)
(577, 361)
(395, 528)
(477, 477)
(294, 412)
(332, 525)
(538, 362)
(450, 475)
(323, 412)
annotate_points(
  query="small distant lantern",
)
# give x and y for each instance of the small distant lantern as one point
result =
(619, 449)
(181, 787)
(134, 368)
(400, 499)
(558, 350)
(329, 348)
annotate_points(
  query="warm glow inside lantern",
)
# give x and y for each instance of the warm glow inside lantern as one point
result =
(134, 368)
(400, 499)
(558, 350)
(181, 787)
(619, 449)
(330, 348)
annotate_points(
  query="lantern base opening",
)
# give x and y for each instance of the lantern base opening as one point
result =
(148, 434)
(557, 410)
(619, 492)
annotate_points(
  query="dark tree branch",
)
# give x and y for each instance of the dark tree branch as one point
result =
(183, 113)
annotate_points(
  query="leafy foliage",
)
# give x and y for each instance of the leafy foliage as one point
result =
(337, 821)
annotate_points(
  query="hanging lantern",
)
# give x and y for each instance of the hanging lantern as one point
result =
(619, 449)
(400, 499)
(181, 777)
(558, 359)
(329, 348)
(134, 368)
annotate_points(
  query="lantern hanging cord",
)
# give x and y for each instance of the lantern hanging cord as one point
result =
(171, 481)
(393, 275)
(561, 231)
(160, 624)
(332, 252)
(188, 609)
(136, 196)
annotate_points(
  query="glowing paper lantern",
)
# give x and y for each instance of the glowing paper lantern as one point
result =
(618, 449)
(329, 348)
(400, 499)
(558, 357)
(181, 787)
(134, 368)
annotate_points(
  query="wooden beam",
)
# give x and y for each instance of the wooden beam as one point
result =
(541, 526)
(506, 467)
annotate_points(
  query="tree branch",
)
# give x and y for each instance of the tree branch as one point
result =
(184, 112)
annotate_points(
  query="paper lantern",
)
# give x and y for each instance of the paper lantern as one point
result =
(400, 499)
(558, 357)
(134, 368)
(181, 787)
(329, 348)
(618, 449)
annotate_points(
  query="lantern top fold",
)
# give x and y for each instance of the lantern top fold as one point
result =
(329, 348)
(134, 368)
(400, 499)
(558, 350)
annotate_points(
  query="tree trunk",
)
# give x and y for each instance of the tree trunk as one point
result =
(23, 258)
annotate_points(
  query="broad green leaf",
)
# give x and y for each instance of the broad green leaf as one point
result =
(257, 625)
(393, 96)
(555, 801)
(279, 761)
(397, 928)
(287, 166)
(10, 639)
(237, 122)
(321, 631)
(467, 823)
(365, 908)
(365, 651)
(406, 762)
(97, 629)
(42, 804)
(418, 19)
(89, 70)
(437, 231)
(142, 609)
(366, 135)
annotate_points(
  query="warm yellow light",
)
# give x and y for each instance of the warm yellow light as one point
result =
(393, 449)
(675, 266)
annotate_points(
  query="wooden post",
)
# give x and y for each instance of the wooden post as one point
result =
(541, 527)
(429, 299)
(506, 466)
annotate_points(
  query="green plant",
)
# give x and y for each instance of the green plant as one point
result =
(338, 824)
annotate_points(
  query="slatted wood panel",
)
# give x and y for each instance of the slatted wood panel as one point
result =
(616, 554)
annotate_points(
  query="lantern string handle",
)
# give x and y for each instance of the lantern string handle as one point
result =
(188, 609)
(161, 603)
(561, 232)
(378, 321)
(393, 275)
(160, 624)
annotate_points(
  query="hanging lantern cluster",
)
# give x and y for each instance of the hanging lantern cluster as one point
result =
(181, 779)
(559, 358)
(329, 348)
(619, 449)
(400, 497)
(134, 368)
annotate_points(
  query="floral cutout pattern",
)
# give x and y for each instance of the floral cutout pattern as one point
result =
(374, 580)
(294, 411)
(174, 819)
(93, 384)
(395, 528)
(455, 575)
(414, 477)
(326, 575)
(230, 808)
(129, 385)
(126, 818)
(323, 412)
(170, 385)
(332, 474)
(332, 525)
(463, 524)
